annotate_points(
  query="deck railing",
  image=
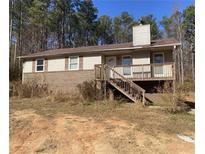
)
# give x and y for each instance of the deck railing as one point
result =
(139, 72)
(99, 73)
(146, 71)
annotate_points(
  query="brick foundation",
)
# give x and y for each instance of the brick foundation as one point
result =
(65, 80)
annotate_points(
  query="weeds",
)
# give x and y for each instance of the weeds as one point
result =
(174, 101)
(28, 89)
(34, 89)
(88, 90)
(60, 96)
(148, 120)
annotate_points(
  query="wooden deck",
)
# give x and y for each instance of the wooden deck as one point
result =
(144, 72)
(153, 79)
(122, 77)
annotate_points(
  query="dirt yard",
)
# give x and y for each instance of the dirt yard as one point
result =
(39, 126)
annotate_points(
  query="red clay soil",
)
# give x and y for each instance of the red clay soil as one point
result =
(69, 134)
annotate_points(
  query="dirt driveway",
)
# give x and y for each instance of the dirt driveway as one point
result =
(69, 134)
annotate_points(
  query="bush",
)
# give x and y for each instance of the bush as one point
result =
(188, 86)
(35, 89)
(175, 102)
(88, 91)
(178, 104)
(28, 89)
(166, 88)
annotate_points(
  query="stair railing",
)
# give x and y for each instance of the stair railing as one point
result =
(113, 76)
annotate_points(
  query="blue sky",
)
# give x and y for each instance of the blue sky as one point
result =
(137, 8)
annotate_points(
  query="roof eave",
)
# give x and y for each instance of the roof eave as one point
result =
(94, 51)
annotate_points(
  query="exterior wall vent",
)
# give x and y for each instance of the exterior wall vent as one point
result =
(141, 35)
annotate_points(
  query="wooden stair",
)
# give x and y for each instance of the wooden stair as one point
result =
(123, 90)
(122, 84)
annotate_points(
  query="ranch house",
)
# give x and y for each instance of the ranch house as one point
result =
(130, 68)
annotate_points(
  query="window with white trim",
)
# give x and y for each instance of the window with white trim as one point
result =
(39, 65)
(73, 63)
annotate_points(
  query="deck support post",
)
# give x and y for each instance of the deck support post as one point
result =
(111, 94)
(105, 82)
(143, 98)
(101, 90)
(105, 89)
(174, 86)
(174, 95)
(96, 97)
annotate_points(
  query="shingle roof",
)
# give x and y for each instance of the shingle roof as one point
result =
(90, 49)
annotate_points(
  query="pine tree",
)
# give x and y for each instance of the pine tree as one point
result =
(123, 27)
(105, 30)
(39, 19)
(62, 22)
(155, 32)
(189, 29)
(87, 15)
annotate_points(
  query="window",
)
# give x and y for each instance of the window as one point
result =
(126, 61)
(73, 63)
(158, 58)
(39, 65)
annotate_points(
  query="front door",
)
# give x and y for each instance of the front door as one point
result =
(111, 61)
(158, 59)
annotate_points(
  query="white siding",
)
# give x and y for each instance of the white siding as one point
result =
(141, 57)
(141, 35)
(27, 67)
(89, 62)
(56, 64)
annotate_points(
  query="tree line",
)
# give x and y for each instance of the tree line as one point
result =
(38, 25)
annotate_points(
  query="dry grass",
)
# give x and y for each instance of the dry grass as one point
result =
(60, 96)
(32, 89)
(151, 121)
(174, 102)
(28, 89)
(88, 91)
(49, 119)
